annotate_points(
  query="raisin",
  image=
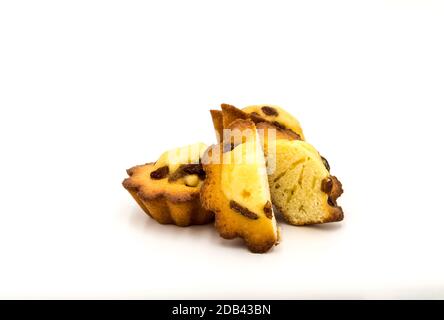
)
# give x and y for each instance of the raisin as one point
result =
(254, 113)
(160, 173)
(268, 210)
(269, 111)
(188, 169)
(326, 164)
(327, 185)
(243, 211)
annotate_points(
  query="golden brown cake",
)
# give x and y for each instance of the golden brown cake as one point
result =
(168, 190)
(278, 155)
(277, 116)
(231, 113)
(301, 187)
(216, 116)
(236, 189)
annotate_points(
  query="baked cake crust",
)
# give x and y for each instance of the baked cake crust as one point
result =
(277, 116)
(216, 116)
(257, 227)
(167, 203)
(302, 188)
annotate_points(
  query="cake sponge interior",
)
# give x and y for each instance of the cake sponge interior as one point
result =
(301, 185)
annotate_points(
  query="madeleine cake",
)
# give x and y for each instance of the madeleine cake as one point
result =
(236, 188)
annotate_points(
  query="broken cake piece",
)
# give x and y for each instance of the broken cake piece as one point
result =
(169, 189)
(236, 188)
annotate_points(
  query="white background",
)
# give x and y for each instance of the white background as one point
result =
(90, 88)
